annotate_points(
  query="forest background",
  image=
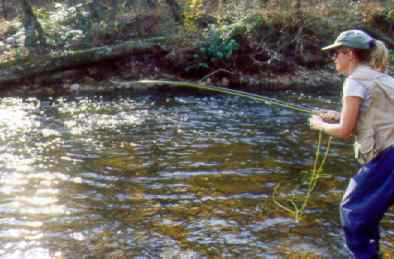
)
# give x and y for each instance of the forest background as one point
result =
(245, 43)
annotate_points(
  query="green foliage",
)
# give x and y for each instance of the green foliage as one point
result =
(253, 23)
(218, 45)
(221, 41)
(391, 56)
(13, 28)
(59, 24)
(194, 10)
(17, 55)
(374, 14)
(65, 25)
(274, 28)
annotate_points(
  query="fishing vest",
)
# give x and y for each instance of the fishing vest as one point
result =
(375, 125)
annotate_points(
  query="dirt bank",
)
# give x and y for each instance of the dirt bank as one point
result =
(158, 63)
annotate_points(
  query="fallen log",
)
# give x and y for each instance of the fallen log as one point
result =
(15, 71)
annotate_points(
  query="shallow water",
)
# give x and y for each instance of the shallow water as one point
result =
(165, 176)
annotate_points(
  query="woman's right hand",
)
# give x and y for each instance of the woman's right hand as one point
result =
(330, 116)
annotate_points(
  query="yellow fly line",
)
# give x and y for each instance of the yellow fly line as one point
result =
(223, 90)
(295, 209)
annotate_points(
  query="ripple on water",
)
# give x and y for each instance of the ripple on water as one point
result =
(161, 177)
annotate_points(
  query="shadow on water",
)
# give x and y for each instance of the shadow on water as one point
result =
(165, 176)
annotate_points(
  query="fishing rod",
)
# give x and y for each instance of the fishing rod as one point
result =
(296, 210)
(255, 97)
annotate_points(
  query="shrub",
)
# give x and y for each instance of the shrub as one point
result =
(376, 15)
(194, 10)
(218, 45)
(220, 41)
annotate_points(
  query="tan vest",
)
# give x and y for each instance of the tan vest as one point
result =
(375, 126)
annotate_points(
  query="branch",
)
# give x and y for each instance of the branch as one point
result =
(13, 71)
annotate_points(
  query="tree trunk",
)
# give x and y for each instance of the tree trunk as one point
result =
(4, 9)
(176, 10)
(112, 16)
(35, 36)
(298, 10)
(152, 3)
(12, 73)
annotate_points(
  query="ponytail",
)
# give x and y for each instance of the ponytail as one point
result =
(379, 56)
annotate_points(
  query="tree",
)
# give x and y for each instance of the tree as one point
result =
(176, 10)
(297, 7)
(152, 3)
(112, 16)
(96, 10)
(3, 6)
(35, 36)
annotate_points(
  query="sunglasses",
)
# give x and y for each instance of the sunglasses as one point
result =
(334, 54)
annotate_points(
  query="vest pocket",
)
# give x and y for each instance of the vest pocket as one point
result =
(364, 147)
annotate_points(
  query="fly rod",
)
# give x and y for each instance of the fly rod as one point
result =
(255, 97)
(296, 210)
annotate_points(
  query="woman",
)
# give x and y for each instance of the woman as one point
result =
(367, 114)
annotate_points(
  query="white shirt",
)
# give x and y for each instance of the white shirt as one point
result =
(360, 85)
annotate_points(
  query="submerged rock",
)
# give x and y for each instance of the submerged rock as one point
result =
(75, 87)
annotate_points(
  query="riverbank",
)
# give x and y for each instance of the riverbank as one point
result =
(118, 67)
(268, 46)
(122, 73)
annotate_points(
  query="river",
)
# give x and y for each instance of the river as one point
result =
(166, 175)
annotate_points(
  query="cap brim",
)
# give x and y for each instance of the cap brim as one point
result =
(332, 46)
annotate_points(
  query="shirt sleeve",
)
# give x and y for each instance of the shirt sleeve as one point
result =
(353, 88)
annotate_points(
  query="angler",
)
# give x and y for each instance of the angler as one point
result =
(367, 114)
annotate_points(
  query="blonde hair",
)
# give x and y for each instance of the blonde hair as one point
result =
(379, 56)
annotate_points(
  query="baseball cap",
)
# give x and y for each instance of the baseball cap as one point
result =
(355, 39)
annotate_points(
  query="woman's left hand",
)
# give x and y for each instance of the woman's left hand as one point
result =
(316, 122)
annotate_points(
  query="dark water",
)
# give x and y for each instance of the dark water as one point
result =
(160, 176)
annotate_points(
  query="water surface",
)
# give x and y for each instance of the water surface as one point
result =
(165, 176)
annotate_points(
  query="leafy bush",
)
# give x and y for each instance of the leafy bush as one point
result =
(375, 14)
(8, 28)
(216, 45)
(59, 24)
(192, 13)
(221, 41)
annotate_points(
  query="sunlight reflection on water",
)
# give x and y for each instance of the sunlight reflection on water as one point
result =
(158, 177)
